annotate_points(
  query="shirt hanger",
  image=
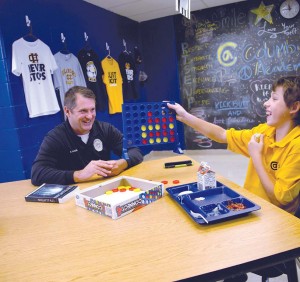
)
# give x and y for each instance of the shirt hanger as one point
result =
(29, 37)
(125, 49)
(87, 44)
(107, 48)
(65, 50)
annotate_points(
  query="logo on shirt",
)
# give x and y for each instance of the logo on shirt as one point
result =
(98, 145)
(69, 75)
(112, 78)
(274, 165)
(91, 71)
(36, 71)
(129, 72)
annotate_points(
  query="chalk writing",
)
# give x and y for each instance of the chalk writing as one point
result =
(229, 18)
(287, 30)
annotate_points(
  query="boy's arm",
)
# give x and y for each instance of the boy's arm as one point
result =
(255, 150)
(208, 129)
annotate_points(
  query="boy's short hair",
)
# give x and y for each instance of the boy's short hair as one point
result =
(291, 88)
(70, 96)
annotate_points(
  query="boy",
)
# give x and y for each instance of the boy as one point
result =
(273, 148)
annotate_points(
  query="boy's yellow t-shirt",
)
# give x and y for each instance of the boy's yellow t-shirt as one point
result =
(112, 79)
(282, 160)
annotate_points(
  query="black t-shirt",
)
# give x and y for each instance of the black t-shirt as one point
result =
(91, 67)
(128, 72)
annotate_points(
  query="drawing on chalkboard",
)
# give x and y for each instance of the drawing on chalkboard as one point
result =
(261, 92)
(190, 27)
(228, 67)
(263, 12)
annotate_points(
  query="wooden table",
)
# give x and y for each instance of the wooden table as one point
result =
(160, 242)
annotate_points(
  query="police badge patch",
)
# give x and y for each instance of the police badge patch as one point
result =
(98, 145)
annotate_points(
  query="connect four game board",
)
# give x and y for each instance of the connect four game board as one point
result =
(147, 124)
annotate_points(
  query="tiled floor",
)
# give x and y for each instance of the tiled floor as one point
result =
(229, 165)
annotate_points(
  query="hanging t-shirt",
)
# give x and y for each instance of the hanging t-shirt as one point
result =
(128, 72)
(113, 80)
(90, 64)
(35, 62)
(68, 74)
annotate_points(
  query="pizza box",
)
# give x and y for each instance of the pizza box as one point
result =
(120, 196)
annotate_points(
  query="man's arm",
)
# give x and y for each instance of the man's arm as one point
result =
(134, 153)
(44, 168)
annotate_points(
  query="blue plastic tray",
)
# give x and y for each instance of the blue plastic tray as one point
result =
(212, 205)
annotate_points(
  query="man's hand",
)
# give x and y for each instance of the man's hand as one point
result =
(119, 166)
(99, 168)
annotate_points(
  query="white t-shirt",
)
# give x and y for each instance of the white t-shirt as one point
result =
(35, 62)
(68, 74)
(84, 137)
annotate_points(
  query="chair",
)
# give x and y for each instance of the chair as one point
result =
(289, 268)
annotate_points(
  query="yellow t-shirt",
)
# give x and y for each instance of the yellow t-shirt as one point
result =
(112, 79)
(282, 160)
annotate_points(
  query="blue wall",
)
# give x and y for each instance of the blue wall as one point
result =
(20, 135)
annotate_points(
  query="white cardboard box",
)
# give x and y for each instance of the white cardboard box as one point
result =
(207, 180)
(119, 204)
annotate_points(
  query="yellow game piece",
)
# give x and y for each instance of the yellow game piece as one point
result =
(150, 127)
(108, 192)
(127, 187)
(158, 140)
(171, 125)
(137, 190)
(165, 139)
(157, 126)
(143, 127)
(151, 140)
(121, 187)
(144, 134)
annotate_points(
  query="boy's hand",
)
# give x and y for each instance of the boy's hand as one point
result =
(255, 145)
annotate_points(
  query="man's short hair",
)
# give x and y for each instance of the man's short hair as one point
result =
(71, 94)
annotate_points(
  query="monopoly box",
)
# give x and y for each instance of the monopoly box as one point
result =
(120, 196)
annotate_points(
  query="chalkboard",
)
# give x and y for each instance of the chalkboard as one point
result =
(228, 59)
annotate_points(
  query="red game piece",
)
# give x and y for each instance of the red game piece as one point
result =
(164, 182)
(175, 181)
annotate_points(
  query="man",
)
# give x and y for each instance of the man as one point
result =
(79, 149)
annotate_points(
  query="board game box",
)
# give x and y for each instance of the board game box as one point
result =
(120, 196)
